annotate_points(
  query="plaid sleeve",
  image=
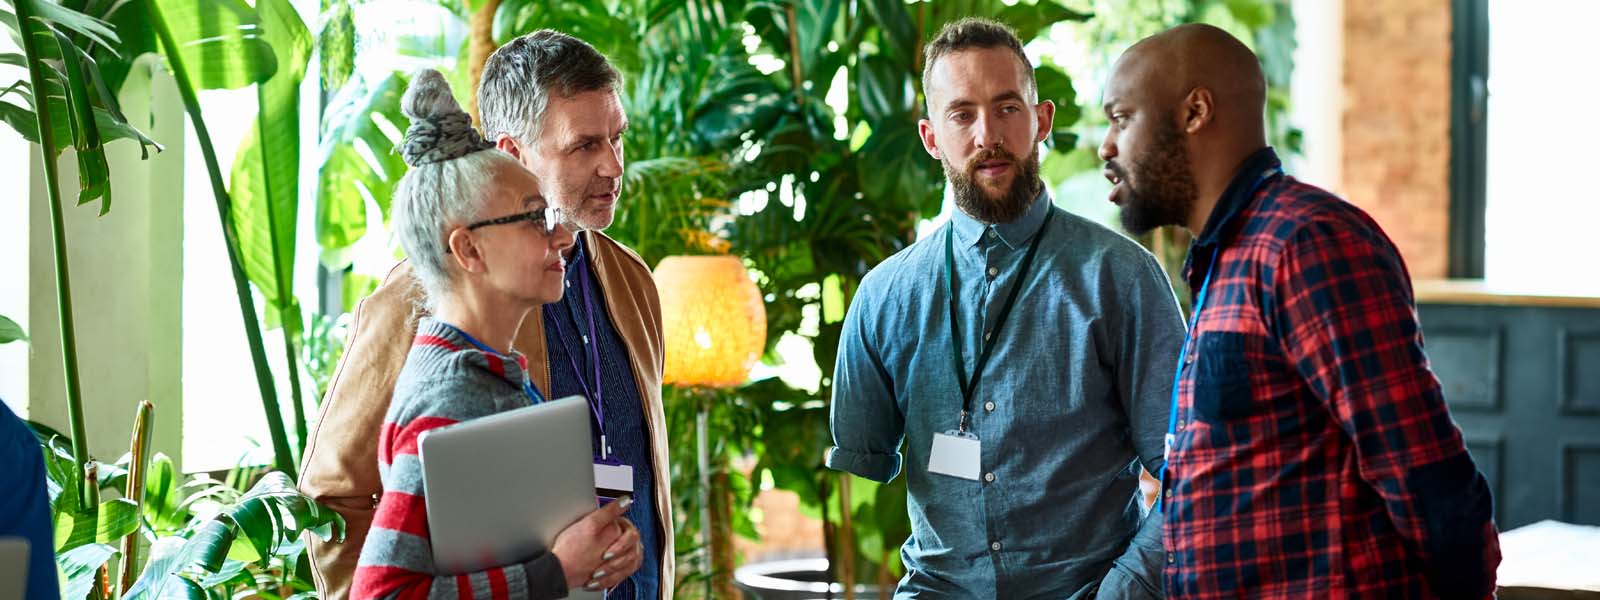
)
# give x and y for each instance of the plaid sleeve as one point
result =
(1343, 311)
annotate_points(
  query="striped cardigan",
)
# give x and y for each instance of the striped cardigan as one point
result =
(445, 380)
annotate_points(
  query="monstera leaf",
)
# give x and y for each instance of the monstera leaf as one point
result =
(348, 175)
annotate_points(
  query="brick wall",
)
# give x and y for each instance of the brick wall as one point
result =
(1396, 123)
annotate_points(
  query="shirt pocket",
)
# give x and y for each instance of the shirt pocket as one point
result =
(1222, 377)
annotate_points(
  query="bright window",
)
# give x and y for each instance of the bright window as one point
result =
(1540, 215)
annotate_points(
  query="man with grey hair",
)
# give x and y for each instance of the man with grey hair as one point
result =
(1022, 356)
(550, 100)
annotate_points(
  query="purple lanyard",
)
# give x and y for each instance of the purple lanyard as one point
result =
(595, 396)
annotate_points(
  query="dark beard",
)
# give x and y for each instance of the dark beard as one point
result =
(1161, 188)
(971, 198)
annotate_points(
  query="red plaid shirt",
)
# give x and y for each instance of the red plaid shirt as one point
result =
(1314, 455)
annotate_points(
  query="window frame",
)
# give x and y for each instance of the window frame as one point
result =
(1469, 99)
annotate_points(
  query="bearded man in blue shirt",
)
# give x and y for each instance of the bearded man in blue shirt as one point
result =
(1022, 354)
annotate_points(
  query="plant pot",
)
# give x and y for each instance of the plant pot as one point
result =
(798, 579)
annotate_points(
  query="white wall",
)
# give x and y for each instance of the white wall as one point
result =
(126, 274)
(14, 153)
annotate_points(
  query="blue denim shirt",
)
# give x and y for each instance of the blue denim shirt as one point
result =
(1073, 400)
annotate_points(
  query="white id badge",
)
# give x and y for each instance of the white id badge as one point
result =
(955, 454)
(613, 480)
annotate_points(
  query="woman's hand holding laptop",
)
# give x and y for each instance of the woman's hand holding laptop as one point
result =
(601, 549)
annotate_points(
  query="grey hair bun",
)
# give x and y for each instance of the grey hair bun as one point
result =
(440, 130)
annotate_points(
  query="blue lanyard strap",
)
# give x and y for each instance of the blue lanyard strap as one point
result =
(534, 397)
(1188, 338)
(1177, 374)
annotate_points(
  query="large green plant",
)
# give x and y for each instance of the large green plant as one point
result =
(191, 527)
(67, 104)
(223, 44)
(265, 184)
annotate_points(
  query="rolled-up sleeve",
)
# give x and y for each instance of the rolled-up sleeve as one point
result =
(866, 420)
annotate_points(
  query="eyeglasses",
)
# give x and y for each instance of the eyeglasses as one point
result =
(544, 220)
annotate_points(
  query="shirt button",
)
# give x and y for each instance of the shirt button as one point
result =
(989, 477)
(1180, 424)
(992, 234)
(986, 335)
(1169, 494)
(1169, 558)
(1188, 359)
(988, 406)
(995, 546)
(993, 271)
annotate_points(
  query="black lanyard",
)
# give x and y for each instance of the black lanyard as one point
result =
(993, 336)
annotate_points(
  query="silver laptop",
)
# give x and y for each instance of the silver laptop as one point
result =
(13, 568)
(501, 487)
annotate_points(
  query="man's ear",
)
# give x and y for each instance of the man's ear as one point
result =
(509, 146)
(929, 142)
(1045, 113)
(464, 250)
(1199, 109)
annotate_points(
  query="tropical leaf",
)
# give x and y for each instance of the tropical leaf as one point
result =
(221, 42)
(885, 90)
(606, 25)
(61, 474)
(163, 492)
(270, 517)
(59, 16)
(1030, 20)
(79, 101)
(898, 33)
(674, 201)
(94, 173)
(348, 176)
(79, 567)
(264, 183)
(168, 556)
(112, 520)
(10, 331)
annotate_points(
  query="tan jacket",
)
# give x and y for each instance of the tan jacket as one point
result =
(340, 467)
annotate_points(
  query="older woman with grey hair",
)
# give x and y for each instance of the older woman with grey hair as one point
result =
(487, 249)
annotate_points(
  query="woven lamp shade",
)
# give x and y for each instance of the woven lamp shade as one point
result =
(713, 320)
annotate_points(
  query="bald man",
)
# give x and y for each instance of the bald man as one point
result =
(1310, 453)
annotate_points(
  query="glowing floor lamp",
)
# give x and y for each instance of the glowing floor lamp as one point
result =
(715, 327)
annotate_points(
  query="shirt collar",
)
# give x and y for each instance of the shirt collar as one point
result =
(970, 231)
(1241, 191)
